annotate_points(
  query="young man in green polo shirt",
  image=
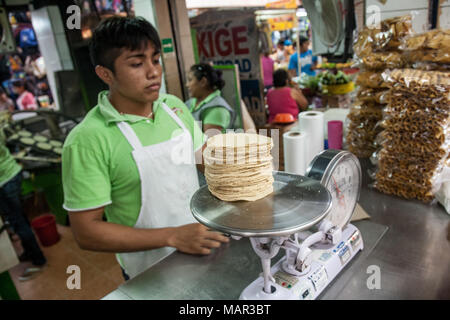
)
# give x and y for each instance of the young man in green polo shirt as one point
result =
(124, 161)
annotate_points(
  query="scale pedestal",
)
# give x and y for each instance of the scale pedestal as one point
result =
(327, 261)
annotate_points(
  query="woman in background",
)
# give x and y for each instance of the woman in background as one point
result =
(284, 99)
(25, 100)
(206, 103)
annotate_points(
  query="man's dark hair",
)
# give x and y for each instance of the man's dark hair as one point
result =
(303, 39)
(280, 76)
(114, 34)
(18, 83)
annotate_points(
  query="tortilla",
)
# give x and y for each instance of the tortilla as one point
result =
(28, 141)
(24, 133)
(13, 137)
(239, 166)
(56, 143)
(40, 138)
(44, 146)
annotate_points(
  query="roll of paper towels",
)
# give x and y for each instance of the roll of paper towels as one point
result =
(312, 124)
(294, 149)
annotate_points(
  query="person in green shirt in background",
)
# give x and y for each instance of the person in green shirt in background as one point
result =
(206, 104)
(11, 208)
(133, 157)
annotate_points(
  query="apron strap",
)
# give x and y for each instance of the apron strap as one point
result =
(130, 135)
(175, 117)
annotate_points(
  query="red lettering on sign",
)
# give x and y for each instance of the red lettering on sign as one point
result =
(237, 40)
(201, 45)
(227, 43)
(211, 44)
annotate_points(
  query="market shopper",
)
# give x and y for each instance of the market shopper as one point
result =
(284, 99)
(267, 66)
(206, 103)
(122, 160)
(307, 60)
(25, 99)
(281, 57)
(12, 211)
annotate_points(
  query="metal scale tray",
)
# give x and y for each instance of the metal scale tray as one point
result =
(296, 204)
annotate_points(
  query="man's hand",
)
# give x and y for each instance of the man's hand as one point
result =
(195, 238)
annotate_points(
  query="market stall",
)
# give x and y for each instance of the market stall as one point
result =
(385, 120)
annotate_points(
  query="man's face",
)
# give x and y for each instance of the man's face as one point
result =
(304, 46)
(138, 74)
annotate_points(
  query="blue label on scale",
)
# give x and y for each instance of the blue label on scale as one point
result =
(340, 245)
(344, 255)
(343, 251)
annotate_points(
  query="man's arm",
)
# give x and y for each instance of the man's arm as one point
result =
(92, 233)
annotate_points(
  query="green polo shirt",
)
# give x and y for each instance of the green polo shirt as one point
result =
(98, 168)
(214, 116)
(9, 167)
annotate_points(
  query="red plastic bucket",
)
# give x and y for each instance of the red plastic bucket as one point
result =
(45, 228)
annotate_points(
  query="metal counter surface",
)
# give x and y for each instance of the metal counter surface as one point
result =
(409, 241)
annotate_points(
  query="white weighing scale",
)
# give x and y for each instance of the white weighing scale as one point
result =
(307, 216)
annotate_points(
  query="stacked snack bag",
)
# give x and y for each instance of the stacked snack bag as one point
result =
(414, 157)
(377, 49)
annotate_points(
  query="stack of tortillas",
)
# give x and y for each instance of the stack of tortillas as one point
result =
(238, 166)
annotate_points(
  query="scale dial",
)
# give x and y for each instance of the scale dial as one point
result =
(340, 172)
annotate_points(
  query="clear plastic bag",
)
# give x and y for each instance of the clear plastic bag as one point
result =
(443, 196)
(363, 128)
(430, 66)
(432, 47)
(415, 142)
(434, 39)
(372, 95)
(371, 79)
(430, 85)
(382, 60)
(387, 36)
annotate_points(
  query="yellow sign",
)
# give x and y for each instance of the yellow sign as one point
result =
(282, 4)
(280, 26)
(280, 23)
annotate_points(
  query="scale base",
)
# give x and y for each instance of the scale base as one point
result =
(328, 261)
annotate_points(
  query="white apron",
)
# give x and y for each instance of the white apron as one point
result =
(168, 180)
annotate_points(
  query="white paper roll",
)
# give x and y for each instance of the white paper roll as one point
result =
(294, 147)
(312, 123)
